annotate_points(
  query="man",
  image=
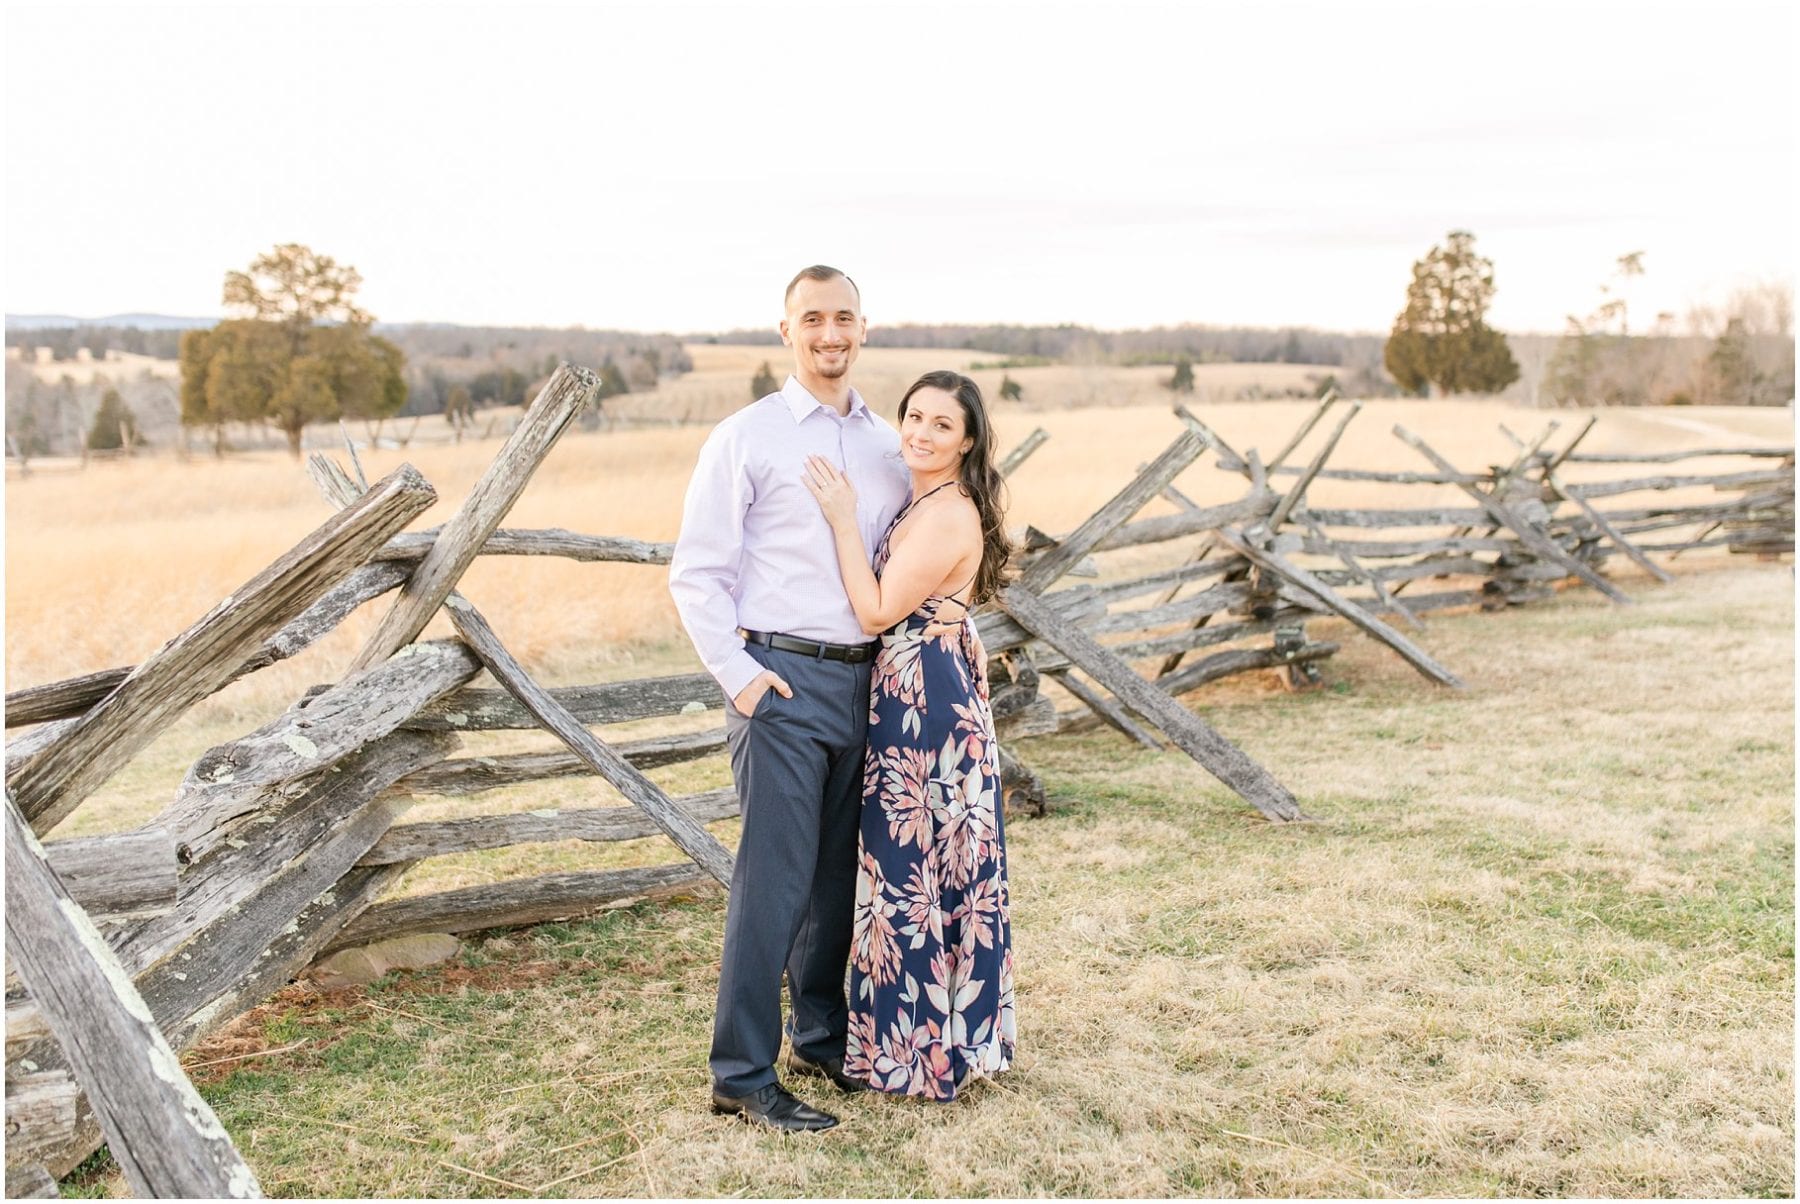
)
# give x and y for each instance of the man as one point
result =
(756, 581)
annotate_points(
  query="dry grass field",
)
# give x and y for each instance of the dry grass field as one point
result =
(116, 367)
(1539, 942)
(720, 380)
(104, 564)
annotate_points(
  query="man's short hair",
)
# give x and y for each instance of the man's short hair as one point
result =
(821, 272)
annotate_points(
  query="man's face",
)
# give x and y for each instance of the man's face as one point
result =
(825, 327)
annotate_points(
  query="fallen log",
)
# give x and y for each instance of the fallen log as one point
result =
(1036, 718)
(1242, 660)
(1021, 790)
(296, 944)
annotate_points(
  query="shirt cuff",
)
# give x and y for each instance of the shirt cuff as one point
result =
(738, 672)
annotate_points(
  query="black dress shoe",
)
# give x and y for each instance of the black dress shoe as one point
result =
(831, 1068)
(774, 1107)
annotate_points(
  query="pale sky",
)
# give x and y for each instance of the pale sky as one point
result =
(669, 167)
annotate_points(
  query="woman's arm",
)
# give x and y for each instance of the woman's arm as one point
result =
(939, 539)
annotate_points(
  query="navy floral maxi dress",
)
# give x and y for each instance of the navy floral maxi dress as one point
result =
(931, 965)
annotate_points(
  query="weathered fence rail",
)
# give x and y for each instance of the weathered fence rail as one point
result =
(278, 847)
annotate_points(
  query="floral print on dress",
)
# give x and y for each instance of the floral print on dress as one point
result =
(931, 962)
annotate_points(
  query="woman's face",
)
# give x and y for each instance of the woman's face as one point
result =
(933, 438)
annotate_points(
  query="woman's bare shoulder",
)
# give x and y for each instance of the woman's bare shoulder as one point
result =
(953, 515)
(951, 520)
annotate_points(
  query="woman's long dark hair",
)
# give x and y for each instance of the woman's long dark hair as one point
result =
(980, 480)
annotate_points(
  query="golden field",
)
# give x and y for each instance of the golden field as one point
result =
(103, 565)
(720, 380)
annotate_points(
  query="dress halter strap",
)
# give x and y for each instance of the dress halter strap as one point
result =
(915, 501)
(951, 596)
(904, 510)
(900, 515)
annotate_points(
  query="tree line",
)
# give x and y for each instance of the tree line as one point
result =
(297, 349)
(65, 342)
(1070, 343)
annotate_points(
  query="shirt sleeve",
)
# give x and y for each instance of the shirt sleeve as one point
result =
(703, 572)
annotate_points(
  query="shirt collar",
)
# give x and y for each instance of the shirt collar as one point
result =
(801, 402)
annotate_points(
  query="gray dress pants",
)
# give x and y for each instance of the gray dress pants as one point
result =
(798, 765)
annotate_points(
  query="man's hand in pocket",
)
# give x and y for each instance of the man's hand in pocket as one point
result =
(759, 685)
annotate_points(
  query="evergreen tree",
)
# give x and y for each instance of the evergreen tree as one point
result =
(763, 383)
(1730, 367)
(1010, 389)
(114, 425)
(1442, 338)
(612, 381)
(1183, 379)
(196, 404)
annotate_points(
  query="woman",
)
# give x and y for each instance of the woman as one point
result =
(931, 967)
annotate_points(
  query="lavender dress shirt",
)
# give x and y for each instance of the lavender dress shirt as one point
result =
(755, 550)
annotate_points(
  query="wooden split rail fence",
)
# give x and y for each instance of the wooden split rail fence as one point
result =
(278, 847)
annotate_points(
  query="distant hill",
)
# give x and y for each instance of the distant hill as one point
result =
(139, 321)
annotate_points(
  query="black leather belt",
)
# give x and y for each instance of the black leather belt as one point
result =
(854, 654)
